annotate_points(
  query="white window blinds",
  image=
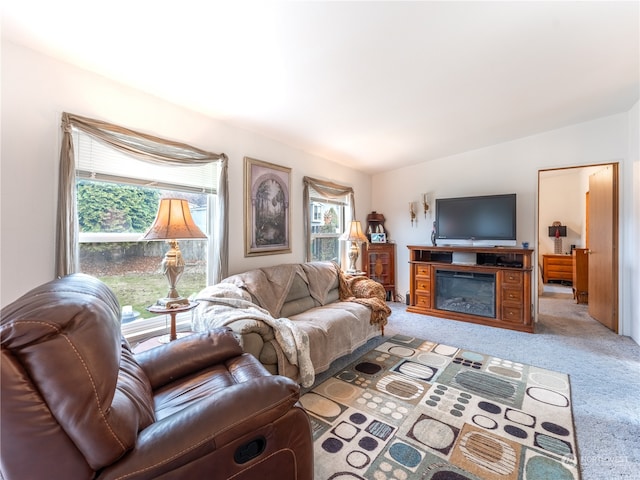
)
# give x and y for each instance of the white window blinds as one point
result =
(97, 161)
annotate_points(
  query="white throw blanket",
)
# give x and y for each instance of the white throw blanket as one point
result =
(225, 303)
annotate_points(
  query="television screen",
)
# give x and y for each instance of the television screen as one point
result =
(484, 220)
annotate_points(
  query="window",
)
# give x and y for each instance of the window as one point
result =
(317, 212)
(328, 208)
(112, 217)
(116, 206)
(326, 229)
(110, 189)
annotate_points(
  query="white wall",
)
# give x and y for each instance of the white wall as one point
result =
(561, 198)
(630, 217)
(512, 167)
(37, 89)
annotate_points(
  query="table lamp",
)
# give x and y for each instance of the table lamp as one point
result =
(354, 235)
(557, 230)
(173, 222)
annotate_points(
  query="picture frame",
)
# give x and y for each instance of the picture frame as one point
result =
(267, 222)
(378, 238)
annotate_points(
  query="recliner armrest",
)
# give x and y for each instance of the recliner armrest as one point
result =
(182, 357)
(206, 426)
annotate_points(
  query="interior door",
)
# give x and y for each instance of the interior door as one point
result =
(602, 232)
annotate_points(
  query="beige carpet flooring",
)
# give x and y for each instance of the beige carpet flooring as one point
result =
(604, 370)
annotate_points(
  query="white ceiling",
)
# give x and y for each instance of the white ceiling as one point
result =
(372, 85)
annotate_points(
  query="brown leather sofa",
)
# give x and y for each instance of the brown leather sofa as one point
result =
(77, 403)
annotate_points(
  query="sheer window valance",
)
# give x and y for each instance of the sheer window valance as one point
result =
(142, 147)
(328, 190)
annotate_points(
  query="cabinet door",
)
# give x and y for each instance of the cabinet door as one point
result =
(379, 263)
(380, 266)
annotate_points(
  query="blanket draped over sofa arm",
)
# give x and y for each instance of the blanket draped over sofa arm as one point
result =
(367, 292)
(229, 306)
(295, 318)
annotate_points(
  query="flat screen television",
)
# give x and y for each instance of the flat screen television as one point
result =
(488, 220)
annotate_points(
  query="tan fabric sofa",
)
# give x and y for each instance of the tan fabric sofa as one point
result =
(307, 302)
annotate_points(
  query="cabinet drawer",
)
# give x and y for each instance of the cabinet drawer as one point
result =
(423, 300)
(564, 260)
(512, 314)
(559, 269)
(513, 295)
(423, 284)
(558, 275)
(512, 278)
(423, 271)
(378, 247)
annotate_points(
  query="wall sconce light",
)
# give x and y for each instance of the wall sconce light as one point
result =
(412, 213)
(425, 204)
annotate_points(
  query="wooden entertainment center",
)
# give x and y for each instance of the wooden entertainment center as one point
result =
(485, 285)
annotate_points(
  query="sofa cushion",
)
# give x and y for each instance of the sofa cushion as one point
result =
(298, 299)
(333, 295)
(298, 289)
(334, 330)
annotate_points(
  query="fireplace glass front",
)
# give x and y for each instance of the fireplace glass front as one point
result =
(466, 292)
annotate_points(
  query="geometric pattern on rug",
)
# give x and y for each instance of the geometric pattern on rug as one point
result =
(414, 409)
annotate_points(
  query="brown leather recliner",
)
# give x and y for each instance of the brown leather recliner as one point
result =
(77, 403)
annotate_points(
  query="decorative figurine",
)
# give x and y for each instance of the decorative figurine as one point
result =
(433, 235)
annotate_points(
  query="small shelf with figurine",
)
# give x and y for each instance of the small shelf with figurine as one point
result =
(375, 224)
(379, 255)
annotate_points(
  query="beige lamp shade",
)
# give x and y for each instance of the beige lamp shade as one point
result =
(354, 233)
(173, 222)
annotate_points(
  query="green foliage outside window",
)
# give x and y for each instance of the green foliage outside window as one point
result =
(108, 207)
(330, 221)
(132, 268)
(327, 247)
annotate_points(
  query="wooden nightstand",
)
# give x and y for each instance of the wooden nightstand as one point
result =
(557, 267)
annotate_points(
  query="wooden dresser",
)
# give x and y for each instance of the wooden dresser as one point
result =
(581, 275)
(379, 263)
(557, 267)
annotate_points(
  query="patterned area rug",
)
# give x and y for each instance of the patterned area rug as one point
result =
(414, 409)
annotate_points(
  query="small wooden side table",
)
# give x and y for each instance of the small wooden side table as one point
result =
(356, 274)
(173, 335)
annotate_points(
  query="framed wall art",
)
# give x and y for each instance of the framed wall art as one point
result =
(267, 210)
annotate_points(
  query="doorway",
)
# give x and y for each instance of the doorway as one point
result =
(578, 239)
